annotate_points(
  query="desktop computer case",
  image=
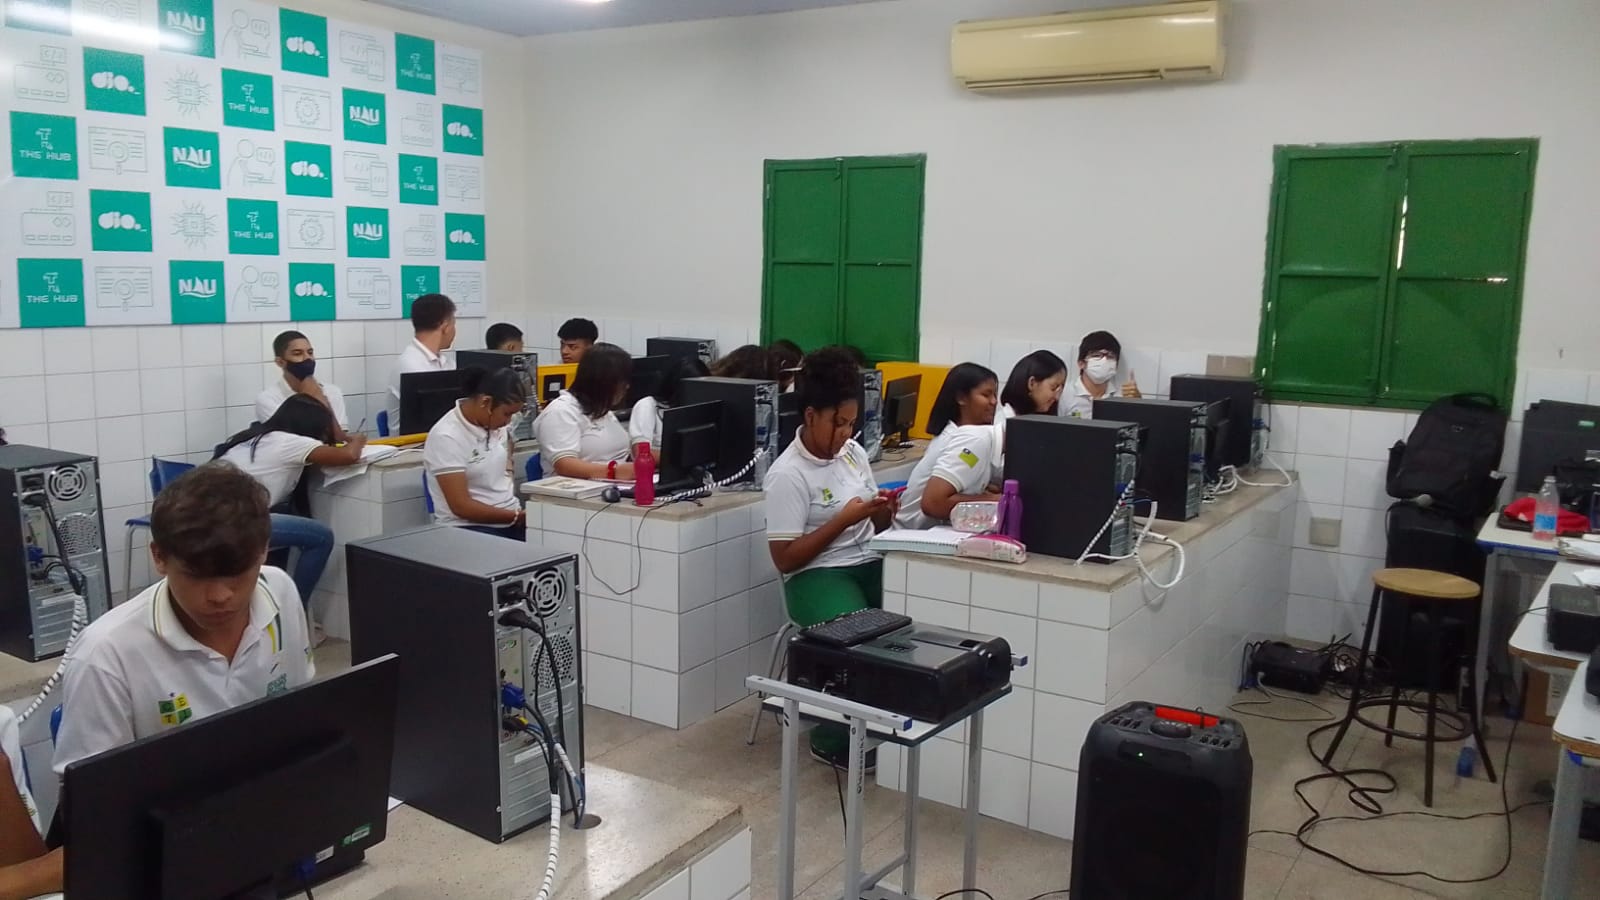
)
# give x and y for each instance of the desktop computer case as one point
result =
(1071, 474)
(1246, 440)
(872, 413)
(703, 349)
(749, 421)
(432, 595)
(1172, 462)
(36, 606)
(526, 364)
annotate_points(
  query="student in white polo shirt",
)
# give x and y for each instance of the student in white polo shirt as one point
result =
(296, 360)
(644, 424)
(823, 506)
(961, 461)
(1099, 354)
(579, 435)
(27, 868)
(468, 457)
(433, 326)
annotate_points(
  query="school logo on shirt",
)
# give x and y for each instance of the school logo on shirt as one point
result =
(175, 709)
(970, 458)
(827, 497)
(278, 685)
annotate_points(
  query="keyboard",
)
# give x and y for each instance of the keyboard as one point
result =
(856, 627)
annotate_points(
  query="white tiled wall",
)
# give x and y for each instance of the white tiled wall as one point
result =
(126, 394)
(723, 873)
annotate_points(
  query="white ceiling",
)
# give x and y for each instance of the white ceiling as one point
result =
(524, 17)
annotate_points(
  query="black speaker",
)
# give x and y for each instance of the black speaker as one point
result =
(1427, 539)
(1163, 806)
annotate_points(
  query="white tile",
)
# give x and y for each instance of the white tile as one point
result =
(767, 613)
(1364, 532)
(21, 352)
(1020, 632)
(1324, 430)
(161, 390)
(733, 566)
(1004, 790)
(938, 582)
(1321, 478)
(1284, 420)
(732, 670)
(1081, 606)
(944, 771)
(608, 683)
(1309, 618)
(697, 532)
(938, 612)
(124, 483)
(935, 350)
(1144, 363)
(894, 573)
(1566, 385)
(239, 418)
(22, 401)
(1008, 724)
(658, 580)
(160, 346)
(1314, 573)
(697, 637)
(608, 625)
(1304, 513)
(1355, 578)
(655, 639)
(318, 334)
(968, 349)
(115, 348)
(1004, 353)
(120, 439)
(676, 888)
(241, 343)
(1006, 594)
(68, 350)
(1130, 650)
(349, 339)
(723, 872)
(1512, 450)
(350, 375)
(69, 397)
(30, 435)
(117, 394)
(1374, 431)
(241, 384)
(1365, 484)
(163, 434)
(1071, 661)
(733, 622)
(697, 578)
(380, 338)
(1052, 800)
(697, 694)
(1059, 727)
(205, 428)
(655, 696)
(379, 370)
(762, 568)
(1174, 362)
(205, 387)
(202, 346)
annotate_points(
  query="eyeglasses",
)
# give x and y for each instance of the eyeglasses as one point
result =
(1102, 354)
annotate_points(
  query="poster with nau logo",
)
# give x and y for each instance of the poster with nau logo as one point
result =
(213, 161)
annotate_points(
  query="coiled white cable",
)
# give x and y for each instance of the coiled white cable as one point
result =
(1144, 534)
(566, 764)
(80, 618)
(1266, 457)
(555, 845)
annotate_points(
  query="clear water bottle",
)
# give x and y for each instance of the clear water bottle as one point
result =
(1545, 509)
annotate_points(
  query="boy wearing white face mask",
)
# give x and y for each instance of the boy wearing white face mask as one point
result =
(1098, 354)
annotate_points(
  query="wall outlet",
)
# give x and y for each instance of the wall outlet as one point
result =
(1325, 532)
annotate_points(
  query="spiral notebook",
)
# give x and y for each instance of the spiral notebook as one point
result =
(941, 540)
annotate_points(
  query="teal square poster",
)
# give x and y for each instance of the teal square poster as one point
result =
(305, 42)
(119, 221)
(198, 292)
(192, 158)
(463, 236)
(252, 227)
(187, 26)
(367, 232)
(365, 117)
(414, 282)
(419, 180)
(311, 292)
(50, 292)
(414, 64)
(247, 100)
(308, 169)
(463, 130)
(44, 146)
(113, 81)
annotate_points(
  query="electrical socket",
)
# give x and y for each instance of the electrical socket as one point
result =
(1325, 532)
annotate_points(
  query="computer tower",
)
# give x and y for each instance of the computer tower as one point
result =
(435, 596)
(1172, 459)
(871, 414)
(1163, 806)
(749, 422)
(36, 594)
(789, 419)
(1072, 473)
(1554, 432)
(1246, 440)
(1421, 538)
(525, 364)
(703, 349)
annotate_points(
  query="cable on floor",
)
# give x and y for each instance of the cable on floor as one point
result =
(1327, 714)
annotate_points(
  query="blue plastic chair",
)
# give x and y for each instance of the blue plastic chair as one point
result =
(162, 472)
(891, 485)
(535, 469)
(383, 423)
(427, 495)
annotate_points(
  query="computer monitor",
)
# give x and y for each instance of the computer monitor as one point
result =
(900, 409)
(232, 802)
(525, 363)
(789, 419)
(1219, 426)
(648, 371)
(691, 442)
(426, 396)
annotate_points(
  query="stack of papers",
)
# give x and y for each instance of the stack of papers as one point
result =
(370, 454)
(570, 488)
(941, 540)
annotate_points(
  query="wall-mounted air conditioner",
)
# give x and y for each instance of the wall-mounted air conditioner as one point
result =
(1134, 43)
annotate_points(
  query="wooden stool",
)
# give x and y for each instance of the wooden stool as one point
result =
(1435, 591)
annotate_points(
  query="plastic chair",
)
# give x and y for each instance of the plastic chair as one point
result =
(535, 469)
(383, 423)
(777, 660)
(891, 485)
(162, 472)
(427, 495)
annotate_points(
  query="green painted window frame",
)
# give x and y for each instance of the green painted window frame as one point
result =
(839, 254)
(1304, 368)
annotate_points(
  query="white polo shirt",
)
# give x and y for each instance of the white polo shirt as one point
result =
(803, 492)
(272, 397)
(11, 743)
(136, 671)
(277, 460)
(563, 430)
(1078, 403)
(963, 456)
(414, 358)
(644, 424)
(456, 445)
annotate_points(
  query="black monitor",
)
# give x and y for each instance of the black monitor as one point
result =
(426, 396)
(789, 419)
(1219, 426)
(900, 409)
(648, 371)
(232, 802)
(691, 443)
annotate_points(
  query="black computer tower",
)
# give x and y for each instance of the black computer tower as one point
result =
(524, 363)
(749, 421)
(789, 419)
(1554, 432)
(433, 596)
(36, 595)
(1163, 806)
(1172, 459)
(703, 349)
(1245, 440)
(1071, 474)
(1428, 539)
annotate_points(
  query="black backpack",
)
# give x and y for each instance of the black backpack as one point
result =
(1448, 461)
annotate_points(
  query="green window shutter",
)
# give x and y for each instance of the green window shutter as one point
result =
(882, 256)
(800, 295)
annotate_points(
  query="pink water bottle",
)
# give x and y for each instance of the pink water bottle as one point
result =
(1011, 509)
(644, 475)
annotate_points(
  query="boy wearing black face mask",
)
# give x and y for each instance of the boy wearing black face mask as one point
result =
(297, 359)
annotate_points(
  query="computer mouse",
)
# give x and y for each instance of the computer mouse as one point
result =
(611, 494)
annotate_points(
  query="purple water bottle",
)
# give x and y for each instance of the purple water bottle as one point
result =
(1011, 509)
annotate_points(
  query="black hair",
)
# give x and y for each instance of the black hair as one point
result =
(214, 519)
(961, 381)
(502, 386)
(671, 381)
(499, 334)
(856, 354)
(430, 311)
(280, 344)
(299, 414)
(603, 375)
(786, 354)
(828, 377)
(749, 361)
(578, 330)
(1095, 341)
(1040, 365)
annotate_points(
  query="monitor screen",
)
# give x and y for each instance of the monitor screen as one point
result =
(690, 440)
(426, 396)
